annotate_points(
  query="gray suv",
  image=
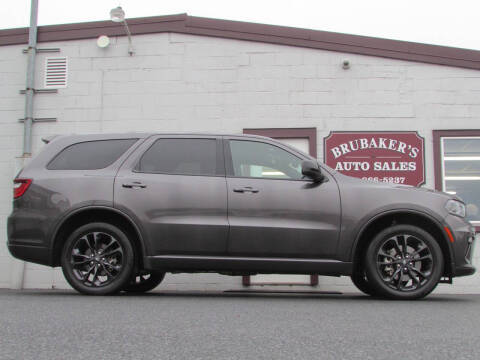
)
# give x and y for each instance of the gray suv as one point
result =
(117, 212)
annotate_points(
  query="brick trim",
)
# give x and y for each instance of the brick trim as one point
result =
(182, 23)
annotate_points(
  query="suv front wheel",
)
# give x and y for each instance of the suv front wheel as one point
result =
(98, 259)
(404, 262)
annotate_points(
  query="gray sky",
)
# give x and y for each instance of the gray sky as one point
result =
(443, 22)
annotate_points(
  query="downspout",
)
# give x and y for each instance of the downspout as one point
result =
(18, 268)
(29, 90)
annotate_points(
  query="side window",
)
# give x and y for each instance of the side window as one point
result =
(90, 155)
(261, 160)
(180, 156)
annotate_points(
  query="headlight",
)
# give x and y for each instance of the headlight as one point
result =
(455, 207)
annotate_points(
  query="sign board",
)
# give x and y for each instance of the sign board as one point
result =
(396, 157)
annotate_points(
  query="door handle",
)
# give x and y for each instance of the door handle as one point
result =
(245, 189)
(134, 185)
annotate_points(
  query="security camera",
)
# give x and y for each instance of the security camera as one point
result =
(346, 64)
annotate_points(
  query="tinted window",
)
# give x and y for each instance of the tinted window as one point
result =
(261, 160)
(180, 156)
(90, 155)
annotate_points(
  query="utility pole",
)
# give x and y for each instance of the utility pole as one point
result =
(30, 89)
(18, 267)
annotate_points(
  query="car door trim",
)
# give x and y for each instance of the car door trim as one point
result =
(190, 263)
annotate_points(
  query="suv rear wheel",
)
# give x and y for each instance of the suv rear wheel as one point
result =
(404, 262)
(98, 259)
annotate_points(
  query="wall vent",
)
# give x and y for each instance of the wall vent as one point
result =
(56, 72)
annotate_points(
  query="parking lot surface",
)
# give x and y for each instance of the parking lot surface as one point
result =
(41, 324)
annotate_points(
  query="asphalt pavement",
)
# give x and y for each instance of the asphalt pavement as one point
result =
(40, 324)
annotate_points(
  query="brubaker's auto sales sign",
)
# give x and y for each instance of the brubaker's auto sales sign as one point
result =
(396, 157)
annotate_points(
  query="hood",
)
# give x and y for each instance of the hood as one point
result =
(426, 189)
(400, 187)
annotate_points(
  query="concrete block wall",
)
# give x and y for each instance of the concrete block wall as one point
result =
(12, 78)
(178, 82)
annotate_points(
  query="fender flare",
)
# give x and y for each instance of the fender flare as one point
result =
(438, 223)
(76, 211)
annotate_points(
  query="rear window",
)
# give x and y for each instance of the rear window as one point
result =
(180, 156)
(90, 155)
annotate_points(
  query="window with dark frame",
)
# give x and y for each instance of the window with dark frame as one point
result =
(457, 165)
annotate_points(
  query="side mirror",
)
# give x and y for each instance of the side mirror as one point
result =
(311, 170)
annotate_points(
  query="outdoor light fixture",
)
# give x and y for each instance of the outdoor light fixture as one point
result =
(103, 41)
(118, 15)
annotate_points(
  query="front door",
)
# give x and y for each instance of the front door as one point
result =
(273, 211)
(175, 189)
(303, 140)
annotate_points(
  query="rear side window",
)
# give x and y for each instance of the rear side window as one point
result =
(180, 156)
(90, 155)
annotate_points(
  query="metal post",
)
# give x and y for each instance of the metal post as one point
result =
(29, 90)
(18, 267)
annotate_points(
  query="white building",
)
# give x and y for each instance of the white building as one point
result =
(196, 74)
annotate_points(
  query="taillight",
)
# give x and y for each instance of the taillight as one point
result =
(20, 186)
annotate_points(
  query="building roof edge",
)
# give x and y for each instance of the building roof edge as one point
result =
(282, 35)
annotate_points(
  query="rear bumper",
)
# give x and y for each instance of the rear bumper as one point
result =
(26, 239)
(35, 254)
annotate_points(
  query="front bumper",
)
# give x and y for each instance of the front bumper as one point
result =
(464, 270)
(462, 246)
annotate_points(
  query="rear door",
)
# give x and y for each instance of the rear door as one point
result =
(175, 189)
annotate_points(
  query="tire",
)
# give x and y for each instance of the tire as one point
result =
(404, 262)
(360, 280)
(98, 259)
(144, 282)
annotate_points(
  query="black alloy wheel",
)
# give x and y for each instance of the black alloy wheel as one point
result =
(404, 262)
(144, 282)
(97, 259)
